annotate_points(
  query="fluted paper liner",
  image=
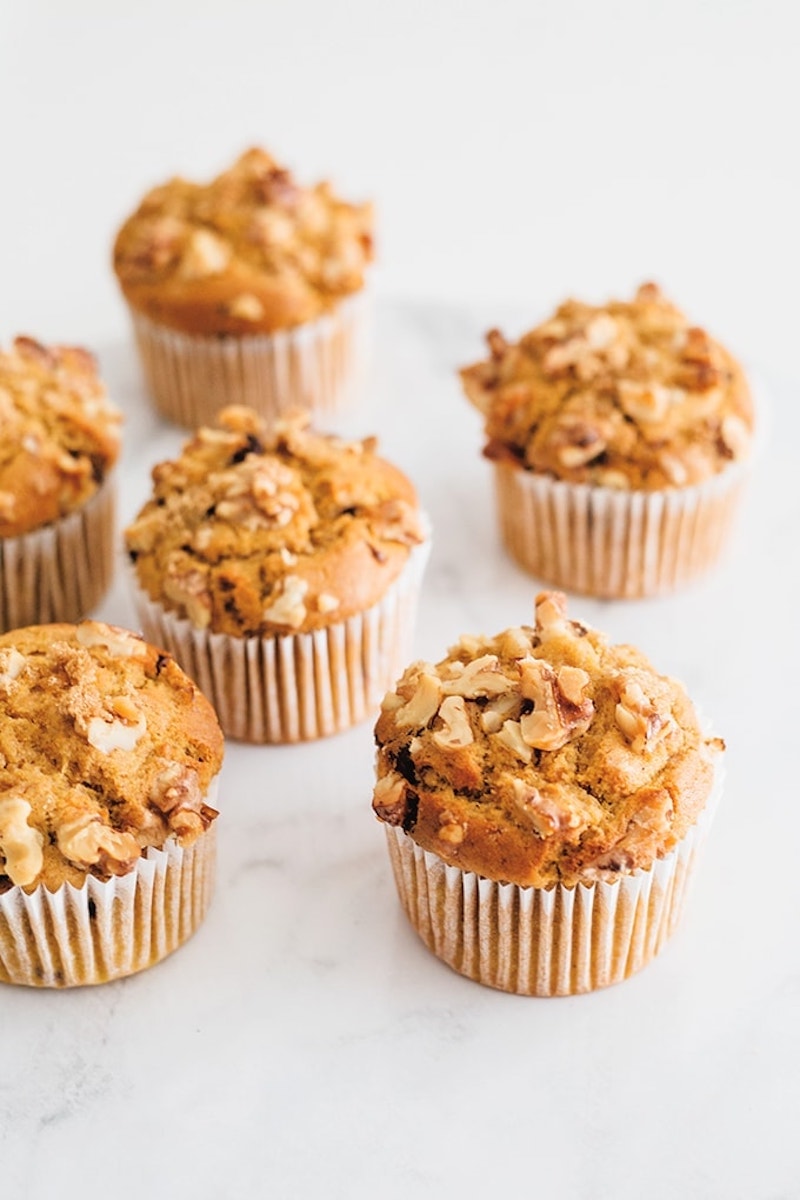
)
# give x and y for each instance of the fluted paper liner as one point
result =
(61, 571)
(318, 366)
(615, 544)
(107, 929)
(299, 686)
(555, 941)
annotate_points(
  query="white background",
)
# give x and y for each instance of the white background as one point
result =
(304, 1044)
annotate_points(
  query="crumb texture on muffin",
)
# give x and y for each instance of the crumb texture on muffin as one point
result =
(627, 395)
(106, 748)
(250, 252)
(257, 531)
(60, 433)
(543, 755)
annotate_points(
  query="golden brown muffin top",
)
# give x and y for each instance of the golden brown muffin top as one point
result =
(59, 434)
(626, 395)
(106, 747)
(257, 530)
(543, 755)
(250, 252)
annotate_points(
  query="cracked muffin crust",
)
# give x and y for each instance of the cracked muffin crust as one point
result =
(250, 252)
(543, 755)
(106, 748)
(59, 434)
(628, 395)
(258, 531)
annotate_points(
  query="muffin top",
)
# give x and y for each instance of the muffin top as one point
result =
(259, 531)
(250, 252)
(543, 755)
(59, 434)
(626, 395)
(106, 747)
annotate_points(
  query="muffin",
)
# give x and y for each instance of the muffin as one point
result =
(620, 437)
(109, 756)
(544, 795)
(281, 568)
(249, 289)
(59, 440)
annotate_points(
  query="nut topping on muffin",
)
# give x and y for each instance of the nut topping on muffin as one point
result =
(250, 252)
(543, 755)
(626, 396)
(255, 531)
(60, 433)
(106, 748)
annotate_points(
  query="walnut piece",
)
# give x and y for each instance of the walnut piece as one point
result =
(542, 810)
(189, 589)
(561, 711)
(176, 793)
(11, 665)
(481, 677)
(89, 843)
(108, 736)
(246, 307)
(511, 736)
(288, 607)
(638, 717)
(205, 254)
(118, 642)
(389, 799)
(456, 731)
(20, 844)
(423, 704)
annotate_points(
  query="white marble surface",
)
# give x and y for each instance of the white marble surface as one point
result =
(305, 1044)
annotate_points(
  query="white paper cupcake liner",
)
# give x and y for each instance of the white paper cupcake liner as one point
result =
(555, 941)
(614, 544)
(318, 366)
(104, 930)
(299, 686)
(61, 571)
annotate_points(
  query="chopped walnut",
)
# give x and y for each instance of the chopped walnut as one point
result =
(500, 710)
(189, 588)
(205, 254)
(482, 677)
(123, 734)
(390, 798)
(638, 716)
(288, 607)
(561, 711)
(118, 642)
(511, 736)
(577, 443)
(90, 843)
(647, 402)
(450, 830)
(542, 809)
(423, 704)
(20, 844)
(176, 792)
(327, 603)
(12, 664)
(246, 307)
(735, 435)
(456, 731)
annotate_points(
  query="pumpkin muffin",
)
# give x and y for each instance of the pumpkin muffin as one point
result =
(59, 441)
(544, 794)
(246, 289)
(620, 436)
(108, 759)
(281, 568)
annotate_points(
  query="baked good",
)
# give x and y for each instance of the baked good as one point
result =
(247, 289)
(108, 758)
(544, 794)
(620, 436)
(59, 441)
(281, 568)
